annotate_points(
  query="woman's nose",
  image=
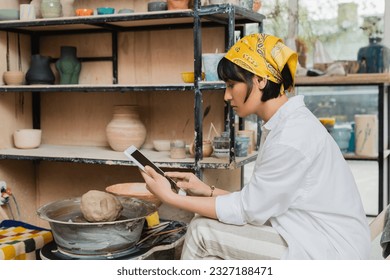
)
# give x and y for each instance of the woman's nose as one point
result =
(227, 96)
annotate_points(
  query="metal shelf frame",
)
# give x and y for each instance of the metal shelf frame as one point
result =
(227, 15)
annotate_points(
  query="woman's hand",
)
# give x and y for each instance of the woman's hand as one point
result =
(157, 184)
(190, 183)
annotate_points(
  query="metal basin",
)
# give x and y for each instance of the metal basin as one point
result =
(74, 235)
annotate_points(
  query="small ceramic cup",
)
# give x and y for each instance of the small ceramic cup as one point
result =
(27, 12)
(84, 12)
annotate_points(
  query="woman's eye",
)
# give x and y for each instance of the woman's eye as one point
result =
(229, 85)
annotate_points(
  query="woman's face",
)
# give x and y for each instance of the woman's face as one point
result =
(235, 94)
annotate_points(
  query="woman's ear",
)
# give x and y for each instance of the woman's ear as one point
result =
(260, 83)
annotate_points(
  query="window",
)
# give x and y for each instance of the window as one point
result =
(306, 25)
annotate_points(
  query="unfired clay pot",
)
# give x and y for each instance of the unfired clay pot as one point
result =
(207, 148)
(178, 4)
(125, 128)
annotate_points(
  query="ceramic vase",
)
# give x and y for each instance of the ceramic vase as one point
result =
(178, 4)
(68, 65)
(374, 58)
(125, 128)
(40, 71)
(67, 8)
(51, 8)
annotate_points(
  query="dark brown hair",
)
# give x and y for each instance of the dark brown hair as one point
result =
(228, 71)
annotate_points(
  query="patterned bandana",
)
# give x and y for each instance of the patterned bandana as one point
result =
(263, 55)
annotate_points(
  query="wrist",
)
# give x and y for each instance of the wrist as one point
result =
(212, 188)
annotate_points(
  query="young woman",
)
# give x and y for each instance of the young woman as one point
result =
(301, 202)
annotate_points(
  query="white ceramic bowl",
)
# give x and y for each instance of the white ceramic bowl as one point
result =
(221, 153)
(27, 138)
(162, 145)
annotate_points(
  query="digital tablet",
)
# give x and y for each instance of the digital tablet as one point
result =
(141, 161)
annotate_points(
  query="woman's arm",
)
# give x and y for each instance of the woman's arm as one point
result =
(202, 203)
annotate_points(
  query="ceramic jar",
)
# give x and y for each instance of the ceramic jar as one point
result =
(51, 8)
(40, 71)
(178, 4)
(68, 65)
(125, 128)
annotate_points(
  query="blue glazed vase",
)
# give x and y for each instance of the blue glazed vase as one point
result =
(374, 58)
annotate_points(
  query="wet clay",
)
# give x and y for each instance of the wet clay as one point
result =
(98, 206)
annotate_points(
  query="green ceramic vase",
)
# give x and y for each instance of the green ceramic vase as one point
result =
(68, 65)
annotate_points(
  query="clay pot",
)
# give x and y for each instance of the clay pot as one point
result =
(178, 4)
(13, 78)
(207, 148)
(125, 128)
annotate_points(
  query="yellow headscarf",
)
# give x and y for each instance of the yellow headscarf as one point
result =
(263, 55)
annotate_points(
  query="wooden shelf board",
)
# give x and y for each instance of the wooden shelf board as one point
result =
(105, 155)
(361, 79)
(98, 88)
(128, 21)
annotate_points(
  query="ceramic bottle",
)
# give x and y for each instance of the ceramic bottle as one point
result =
(125, 128)
(68, 65)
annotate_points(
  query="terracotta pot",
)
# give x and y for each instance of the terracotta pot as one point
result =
(207, 148)
(14, 78)
(125, 128)
(178, 4)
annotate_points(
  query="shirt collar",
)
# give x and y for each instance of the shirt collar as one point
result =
(284, 111)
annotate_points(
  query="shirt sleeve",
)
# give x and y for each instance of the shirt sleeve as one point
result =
(277, 181)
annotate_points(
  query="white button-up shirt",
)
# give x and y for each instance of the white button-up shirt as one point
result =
(302, 184)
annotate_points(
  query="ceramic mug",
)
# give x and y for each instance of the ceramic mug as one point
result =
(27, 12)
